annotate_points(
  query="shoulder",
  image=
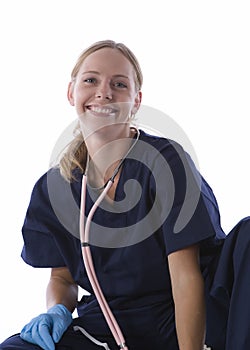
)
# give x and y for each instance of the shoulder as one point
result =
(53, 175)
(155, 140)
(162, 144)
(166, 150)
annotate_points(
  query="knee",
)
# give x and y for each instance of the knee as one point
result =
(246, 222)
(16, 343)
(244, 229)
(241, 230)
(240, 244)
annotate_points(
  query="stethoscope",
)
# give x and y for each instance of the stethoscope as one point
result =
(86, 251)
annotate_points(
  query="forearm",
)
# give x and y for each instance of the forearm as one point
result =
(60, 291)
(190, 314)
(47, 328)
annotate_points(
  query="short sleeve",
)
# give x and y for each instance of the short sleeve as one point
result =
(43, 234)
(191, 207)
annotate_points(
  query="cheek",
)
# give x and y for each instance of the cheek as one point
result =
(125, 109)
(80, 91)
(79, 102)
(80, 98)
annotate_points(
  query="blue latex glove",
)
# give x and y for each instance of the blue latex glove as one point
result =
(47, 329)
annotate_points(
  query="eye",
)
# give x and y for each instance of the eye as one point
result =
(90, 80)
(120, 84)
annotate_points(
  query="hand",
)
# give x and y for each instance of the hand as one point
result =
(47, 329)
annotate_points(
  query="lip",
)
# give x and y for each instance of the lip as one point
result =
(102, 110)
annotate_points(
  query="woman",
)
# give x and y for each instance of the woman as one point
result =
(155, 238)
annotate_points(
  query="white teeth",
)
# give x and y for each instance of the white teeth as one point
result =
(101, 110)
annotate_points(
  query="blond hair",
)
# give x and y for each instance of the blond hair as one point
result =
(75, 155)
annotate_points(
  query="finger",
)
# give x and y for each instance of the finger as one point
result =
(44, 331)
(27, 328)
(57, 331)
(42, 338)
(26, 332)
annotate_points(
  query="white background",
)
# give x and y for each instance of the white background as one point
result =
(195, 58)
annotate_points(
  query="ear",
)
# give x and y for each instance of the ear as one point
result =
(70, 94)
(137, 102)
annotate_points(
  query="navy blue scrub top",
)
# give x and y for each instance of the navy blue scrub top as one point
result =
(162, 204)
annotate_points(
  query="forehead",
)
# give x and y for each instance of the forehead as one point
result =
(108, 60)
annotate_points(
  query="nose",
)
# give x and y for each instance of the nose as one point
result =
(104, 92)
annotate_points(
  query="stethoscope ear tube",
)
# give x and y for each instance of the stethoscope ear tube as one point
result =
(88, 261)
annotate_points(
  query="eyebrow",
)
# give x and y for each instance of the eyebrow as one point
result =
(115, 76)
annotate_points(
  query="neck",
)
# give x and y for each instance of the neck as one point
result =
(106, 149)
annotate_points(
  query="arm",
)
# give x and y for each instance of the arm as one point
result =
(47, 329)
(61, 289)
(188, 293)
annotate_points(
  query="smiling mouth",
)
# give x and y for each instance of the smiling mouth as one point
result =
(102, 111)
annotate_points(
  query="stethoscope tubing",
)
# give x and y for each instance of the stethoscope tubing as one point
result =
(88, 261)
